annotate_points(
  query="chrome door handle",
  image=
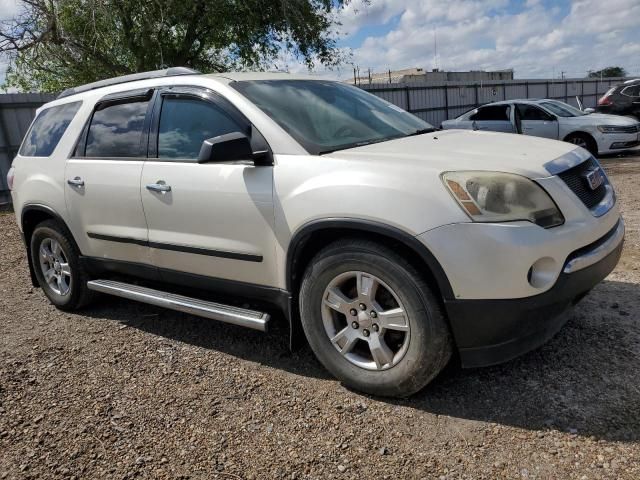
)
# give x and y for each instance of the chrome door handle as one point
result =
(76, 182)
(159, 187)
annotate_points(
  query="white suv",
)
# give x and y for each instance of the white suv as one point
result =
(389, 244)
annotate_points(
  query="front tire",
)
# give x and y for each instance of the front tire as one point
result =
(372, 319)
(56, 262)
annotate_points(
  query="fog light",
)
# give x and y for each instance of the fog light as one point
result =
(616, 145)
(542, 273)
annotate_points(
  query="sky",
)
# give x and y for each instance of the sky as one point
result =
(536, 38)
(8, 8)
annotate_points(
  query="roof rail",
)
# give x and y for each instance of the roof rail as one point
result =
(167, 72)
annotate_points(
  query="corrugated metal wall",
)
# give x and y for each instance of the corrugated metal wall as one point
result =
(442, 101)
(433, 103)
(16, 113)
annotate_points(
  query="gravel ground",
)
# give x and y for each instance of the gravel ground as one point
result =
(126, 390)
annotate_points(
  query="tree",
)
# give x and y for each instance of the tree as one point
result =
(608, 72)
(55, 44)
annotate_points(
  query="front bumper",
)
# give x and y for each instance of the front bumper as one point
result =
(612, 142)
(488, 332)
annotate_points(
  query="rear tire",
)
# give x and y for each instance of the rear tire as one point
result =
(56, 261)
(372, 319)
(583, 140)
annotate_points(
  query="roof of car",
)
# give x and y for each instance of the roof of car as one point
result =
(520, 100)
(252, 76)
(226, 77)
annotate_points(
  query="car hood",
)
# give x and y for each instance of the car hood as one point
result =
(447, 150)
(601, 119)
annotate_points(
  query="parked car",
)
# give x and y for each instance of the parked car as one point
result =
(388, 245)
(598, 133)
(622, 99)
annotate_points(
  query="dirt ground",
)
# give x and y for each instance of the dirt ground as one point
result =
(126, 390)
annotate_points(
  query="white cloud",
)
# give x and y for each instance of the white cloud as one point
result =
(534, 39)
(8, 8)
(359, 13)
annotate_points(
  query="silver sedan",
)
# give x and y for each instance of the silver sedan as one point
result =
(598, 133)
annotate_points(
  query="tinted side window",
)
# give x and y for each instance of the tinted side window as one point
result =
(632, 91)
(186, 123)
(47, 130)
(529, 112)
(116, 130)
(493, 112)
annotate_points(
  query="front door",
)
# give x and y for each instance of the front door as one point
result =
(102, 187)
(536, 122)
(212, 219)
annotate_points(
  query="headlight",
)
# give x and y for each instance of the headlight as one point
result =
(616, 129)
(502, 197)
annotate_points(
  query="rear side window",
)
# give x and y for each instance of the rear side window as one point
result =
(47, 130)
(494, 112)
(116, 130)
(632, 91)
(529, 112)
(186, 123)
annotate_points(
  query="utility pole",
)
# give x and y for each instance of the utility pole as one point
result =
(435, 48)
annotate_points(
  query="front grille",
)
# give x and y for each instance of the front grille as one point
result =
(576, 181)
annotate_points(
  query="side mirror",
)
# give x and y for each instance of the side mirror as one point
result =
(226, 148)
(589, 110)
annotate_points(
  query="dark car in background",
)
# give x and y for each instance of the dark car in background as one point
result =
(622, 99)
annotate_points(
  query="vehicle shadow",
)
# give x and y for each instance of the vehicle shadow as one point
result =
(586, 380)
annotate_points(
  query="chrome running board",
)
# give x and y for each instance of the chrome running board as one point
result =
(194, 306)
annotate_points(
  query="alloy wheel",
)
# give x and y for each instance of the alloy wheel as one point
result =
(579, 141)
(365, 320)
(55, 266)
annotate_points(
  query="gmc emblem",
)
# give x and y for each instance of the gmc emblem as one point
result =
(594, 178)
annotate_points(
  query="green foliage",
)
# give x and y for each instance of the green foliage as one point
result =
(609, 72)
(55, 44)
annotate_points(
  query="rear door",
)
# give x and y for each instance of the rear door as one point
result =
(102, 189)
(536, 122)
(209, 219)
(496, 118)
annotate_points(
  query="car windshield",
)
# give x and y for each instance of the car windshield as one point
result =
(562, 109)
(325, 116)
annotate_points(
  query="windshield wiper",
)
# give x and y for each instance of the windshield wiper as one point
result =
(360, 144)
(421, 131)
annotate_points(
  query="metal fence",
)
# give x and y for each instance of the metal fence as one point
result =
(432, 102)
(16, 113)
(442, 101)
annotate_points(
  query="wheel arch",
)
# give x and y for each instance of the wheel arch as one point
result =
(32, 215)
(309, 239)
